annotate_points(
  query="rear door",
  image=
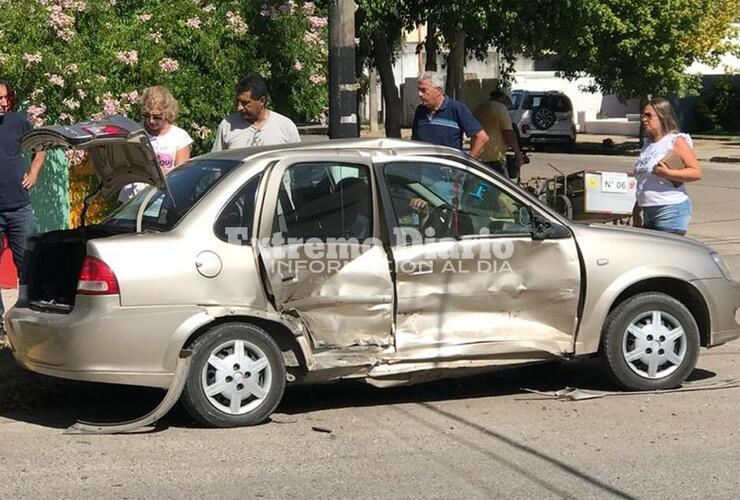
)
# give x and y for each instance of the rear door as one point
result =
(119, 149)
(319, 252)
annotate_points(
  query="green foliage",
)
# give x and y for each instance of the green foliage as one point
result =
(85, 58)
(717, 107)
(636, 48)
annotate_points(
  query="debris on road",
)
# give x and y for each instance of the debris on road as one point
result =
(575, 394)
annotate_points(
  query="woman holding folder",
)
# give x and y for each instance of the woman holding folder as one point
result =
(667, 161)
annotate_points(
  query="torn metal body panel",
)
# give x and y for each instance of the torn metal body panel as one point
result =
(344, 303)
(512, 292)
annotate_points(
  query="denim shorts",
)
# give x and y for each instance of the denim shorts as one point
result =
(669, 218)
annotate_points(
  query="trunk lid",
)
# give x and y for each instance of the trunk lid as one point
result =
(119, 149)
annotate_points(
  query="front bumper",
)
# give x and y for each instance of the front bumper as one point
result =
(100, 341)
(723, 300)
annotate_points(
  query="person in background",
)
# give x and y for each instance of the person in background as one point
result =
(662, 201)
(16, 214)
(253, 124)
(171, 144)
(443, 121)
(494, 117)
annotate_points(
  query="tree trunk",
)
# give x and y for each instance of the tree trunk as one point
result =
(643, 102)
(383, 62)
(456, 66)
(431, 47)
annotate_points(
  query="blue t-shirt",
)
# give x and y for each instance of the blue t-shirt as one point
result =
(12, 167)
(446, 126)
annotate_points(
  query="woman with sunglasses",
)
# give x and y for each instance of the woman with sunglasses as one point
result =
(667, 161)
(171, 144)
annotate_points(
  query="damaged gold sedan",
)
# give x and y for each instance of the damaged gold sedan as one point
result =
(381, 260)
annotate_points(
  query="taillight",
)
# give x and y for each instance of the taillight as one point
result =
(96, 278)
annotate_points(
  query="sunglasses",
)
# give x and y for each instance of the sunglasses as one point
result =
(149, 116)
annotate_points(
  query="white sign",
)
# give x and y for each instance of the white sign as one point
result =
(614, 182)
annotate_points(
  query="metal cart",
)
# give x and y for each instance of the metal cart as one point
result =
(588, 195)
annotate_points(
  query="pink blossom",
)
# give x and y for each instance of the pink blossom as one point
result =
(65, 117)
(3, 59)
(209, 8)
(317, 22)
(36, 95)
(193, 23)
(128, 58)
(297, 66)
(132, 97)
(110, 106)
(71, 103)
(317, 79)
(311, 38)
(144, 17)
(72, 68)
(32, 58)
(202, 132)
(309, 8)
(56, 80)
(155, 36)
(81, 93)
(169, 65)
(75, 156)
(236, 23)
(34, 114)
(61, 22)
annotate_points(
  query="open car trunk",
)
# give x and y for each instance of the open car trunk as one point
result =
(52, 267)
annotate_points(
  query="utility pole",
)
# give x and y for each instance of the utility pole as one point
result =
(342, 80)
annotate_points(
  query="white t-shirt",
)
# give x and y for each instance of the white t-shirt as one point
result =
(236, 132)
(165, 147)
(653, 190)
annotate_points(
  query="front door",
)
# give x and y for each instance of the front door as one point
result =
(318, 249)
(470, 281)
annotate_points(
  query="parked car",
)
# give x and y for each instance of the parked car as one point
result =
(386, 261)
(542, 118)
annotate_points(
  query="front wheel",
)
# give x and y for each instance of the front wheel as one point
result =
(649, 342)
(237, 376)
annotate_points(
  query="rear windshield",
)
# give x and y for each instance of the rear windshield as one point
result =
(188, 184)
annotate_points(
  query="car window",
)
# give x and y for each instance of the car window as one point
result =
(516, 101)
(234, 223)
(441, 201)
(558, 103)
(188, 184)
(324, 201)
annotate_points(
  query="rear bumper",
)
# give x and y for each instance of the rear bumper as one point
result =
(546, 138)
(100, 341)
(723, 300)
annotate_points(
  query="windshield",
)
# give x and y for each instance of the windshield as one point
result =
(188, 184)
(516, 100)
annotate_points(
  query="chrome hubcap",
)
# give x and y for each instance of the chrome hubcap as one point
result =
(654, 345)
(237, 377)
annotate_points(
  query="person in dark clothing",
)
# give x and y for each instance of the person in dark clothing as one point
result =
(16, 215)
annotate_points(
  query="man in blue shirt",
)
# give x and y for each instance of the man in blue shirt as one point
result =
(441, 120)
(16, 215)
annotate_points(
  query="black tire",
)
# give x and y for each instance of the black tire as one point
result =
(543, 118)
(678, 356)
(268, 382)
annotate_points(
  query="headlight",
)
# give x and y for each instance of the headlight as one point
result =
(722, 265)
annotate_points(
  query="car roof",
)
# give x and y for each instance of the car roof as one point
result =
(368, 146)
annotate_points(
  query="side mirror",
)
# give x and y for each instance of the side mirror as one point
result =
(541, 229)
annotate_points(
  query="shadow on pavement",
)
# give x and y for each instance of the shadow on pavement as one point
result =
(57, 403)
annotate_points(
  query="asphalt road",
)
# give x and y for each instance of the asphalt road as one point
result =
(480, 437)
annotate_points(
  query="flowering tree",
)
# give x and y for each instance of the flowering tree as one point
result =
(72, 60)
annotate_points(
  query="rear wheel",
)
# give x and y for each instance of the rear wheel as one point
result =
(237, 376)
(649, 342)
